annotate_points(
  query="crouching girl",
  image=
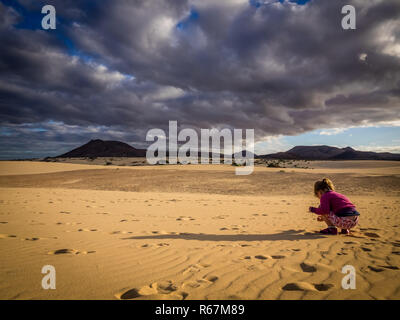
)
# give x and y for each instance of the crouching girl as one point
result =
(335, 209)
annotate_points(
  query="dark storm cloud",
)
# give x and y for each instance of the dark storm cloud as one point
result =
(128, 66)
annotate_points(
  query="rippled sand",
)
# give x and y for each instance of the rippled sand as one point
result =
(194, 232)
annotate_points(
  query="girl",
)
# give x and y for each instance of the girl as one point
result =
(335, 209)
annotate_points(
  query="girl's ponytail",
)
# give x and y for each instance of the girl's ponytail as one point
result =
(324, 185)
(328, 184)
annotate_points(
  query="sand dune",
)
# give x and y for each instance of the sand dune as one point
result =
(193, 232)
(8, 168)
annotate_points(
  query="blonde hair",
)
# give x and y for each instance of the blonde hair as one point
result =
(323, 185)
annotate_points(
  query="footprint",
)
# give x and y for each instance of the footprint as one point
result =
(305, 286)
(31, 239)
(278, 257)
(390, 267)
(64, 251)
(372, 235)
(375, 269)
(165, 287)
(2, 236)
(323, 286)
(220, 217)
(162, 290)
(130, 294)
(211, 278)
(191, 284)
(299, 286)
(195, 267)
(69, 251)
(163, 244)
(184, 218)
(307, 268)
(162, 232)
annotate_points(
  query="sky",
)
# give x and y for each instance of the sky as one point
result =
(114, 69)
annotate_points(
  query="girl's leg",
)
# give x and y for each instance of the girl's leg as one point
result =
(331, 227)
(348, 224)
(345, 231)
(325, 218)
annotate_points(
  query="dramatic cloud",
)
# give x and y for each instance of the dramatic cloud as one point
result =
(115, 69)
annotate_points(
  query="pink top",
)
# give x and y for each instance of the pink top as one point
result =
(332, 201)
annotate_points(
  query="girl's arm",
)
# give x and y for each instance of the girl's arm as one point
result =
(324, 207)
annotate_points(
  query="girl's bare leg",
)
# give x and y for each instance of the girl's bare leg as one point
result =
(327, 221)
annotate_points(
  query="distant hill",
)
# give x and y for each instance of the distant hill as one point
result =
(243, 154)
(329, 153)
(100, 148)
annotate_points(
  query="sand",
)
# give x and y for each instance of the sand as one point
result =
(194, 232)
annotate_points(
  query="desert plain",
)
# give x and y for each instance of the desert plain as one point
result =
(194, 231)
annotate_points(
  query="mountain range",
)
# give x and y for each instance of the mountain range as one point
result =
(329, 153)
(100, 148)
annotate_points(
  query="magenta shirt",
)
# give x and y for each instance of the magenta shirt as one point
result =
(333, 201)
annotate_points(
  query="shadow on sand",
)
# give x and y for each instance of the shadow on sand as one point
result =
(289, 235)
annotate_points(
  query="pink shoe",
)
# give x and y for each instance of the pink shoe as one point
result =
(345, 231)
(330, 231)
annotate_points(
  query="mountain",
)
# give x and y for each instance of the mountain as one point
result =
(366, 155)
(329, 153)
(100, 148)
(243, 154)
